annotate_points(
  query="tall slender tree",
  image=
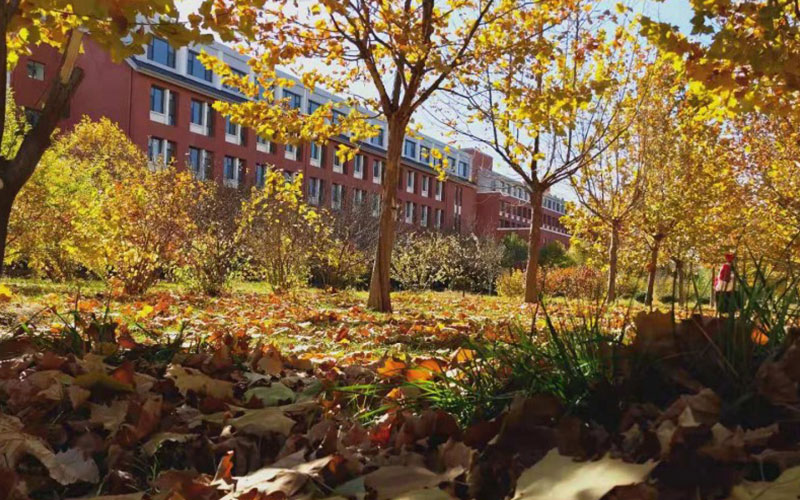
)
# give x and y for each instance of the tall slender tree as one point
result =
(551, 104)
(401, 51)
(121, 28)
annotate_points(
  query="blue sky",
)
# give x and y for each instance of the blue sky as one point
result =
(676, 12)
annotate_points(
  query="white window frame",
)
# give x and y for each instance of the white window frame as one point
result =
(231, 138)
(159, 117)
(358, 166)
(426, 185)
(237, 164)
(379, 178)
(338, 164)
(439, 190)
(416, 148)
(359, 196)
(200, 172)
(315, 161)
(438, 218)
(423, 216)
(314, 191)
(290, 152)
(409, 212)
(337, 195)
(376, 204)
(410, 178)
(263, 145)
(203, 128)
(38, 70)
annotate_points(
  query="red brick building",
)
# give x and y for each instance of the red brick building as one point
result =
(162, 100)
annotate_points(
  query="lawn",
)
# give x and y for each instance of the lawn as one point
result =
(254, 395)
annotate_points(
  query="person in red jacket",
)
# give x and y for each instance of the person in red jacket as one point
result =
(723, 286)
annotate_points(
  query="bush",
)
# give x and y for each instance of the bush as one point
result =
(472, 264)
(667, 299)
(280, 233)
(349, 258)
(419, 260)
(515, 251)
(213, 255)
(575, 282)
(511, 283)
(640, 297)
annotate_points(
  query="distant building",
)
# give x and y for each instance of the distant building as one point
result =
(162, 99)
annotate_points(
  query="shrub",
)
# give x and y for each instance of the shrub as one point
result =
(349, 257)
(575, 282)
(212, 256)
(667, 299)
(280, 233)
(511, 283)
(472, 263)
(515, 251)
(554, 254)
(419, 260)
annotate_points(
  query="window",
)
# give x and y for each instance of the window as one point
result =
(314, 191)
(163, 104)
(439, 189)
(195, 68)
(316, 154)
(200, 163)
(437, 162)
(295, 100)
(423, 216)
(409, 212)
(378, 139)
(410, 181)
(426, 183)
(234, 133)
(200, 119)
(337, 195)
(338, 164)
(35, 70)
(264, 145)
(157, 99)
(290, 152)
(160, 151)
(358, 166)
(337, 116)
(451, 162)
(376, 204)
(377, 171)
(463, 169)
(261, 172)
(359, 196)
(438, 218)
(233, 171)
(159, 50)
(425, 154)
(410, 149)
(313, 106)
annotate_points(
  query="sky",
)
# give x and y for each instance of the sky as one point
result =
(676, 12)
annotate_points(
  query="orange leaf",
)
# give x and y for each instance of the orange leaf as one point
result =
(391, 368)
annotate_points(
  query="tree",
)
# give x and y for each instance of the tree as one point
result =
(609, 190)
(551, 103)
(741, 55)
(115, 26)
(401, 50)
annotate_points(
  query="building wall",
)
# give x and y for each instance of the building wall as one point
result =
(121, 92)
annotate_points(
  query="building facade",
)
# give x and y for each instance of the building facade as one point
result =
(162, 99)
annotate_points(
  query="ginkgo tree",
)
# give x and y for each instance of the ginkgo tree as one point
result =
(401, 51)
(552, 103)
(121, 28)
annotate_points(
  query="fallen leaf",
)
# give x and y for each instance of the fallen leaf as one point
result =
(189, 379)
(557, 476)
(392, 481)
(785, 487)
(263, 422)
(273, 395)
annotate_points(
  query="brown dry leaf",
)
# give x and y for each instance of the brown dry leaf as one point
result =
(655, 334)
(785, 487)
(557, 476)
(189, 379)
(98, 379)
(395, 480)
(66, 467)
(704, 408)
(263, 422)
(391, 368)
(128, 496)
(110, 417)
(269, 481)
(78, 395)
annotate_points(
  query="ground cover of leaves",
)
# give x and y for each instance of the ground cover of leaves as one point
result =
(176, 396)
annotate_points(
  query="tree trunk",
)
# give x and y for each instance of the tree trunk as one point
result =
(534, 243)
(681, 284)
(6, 202)
(613, 249)
(379, 286)
(651, 268)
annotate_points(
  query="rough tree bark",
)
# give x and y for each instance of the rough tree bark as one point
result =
(15, 172)
(534, 243)
(379, 286)
(652, 266)
(613, 250)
